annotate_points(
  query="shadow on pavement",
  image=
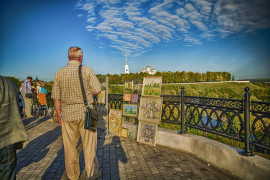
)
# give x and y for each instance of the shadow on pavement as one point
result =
(30, 123)
(110, 156)
(37, 149)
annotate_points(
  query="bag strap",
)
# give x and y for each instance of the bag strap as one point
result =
(82, 86)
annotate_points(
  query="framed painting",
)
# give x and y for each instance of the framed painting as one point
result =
(101, 110)
(147, 133)
(150, 109)
(130, 110)
(124, 132)
(128, 84)
(151, 86)
(127, 97)
(115, 121)
(132, 135)
(134, 98)
(101, 97)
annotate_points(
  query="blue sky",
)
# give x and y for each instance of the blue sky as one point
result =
(169, 35)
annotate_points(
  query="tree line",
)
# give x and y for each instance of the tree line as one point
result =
(168, 77)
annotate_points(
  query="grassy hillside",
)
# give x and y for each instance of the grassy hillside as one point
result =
(234, 90)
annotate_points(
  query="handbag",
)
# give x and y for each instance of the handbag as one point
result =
(91, 116)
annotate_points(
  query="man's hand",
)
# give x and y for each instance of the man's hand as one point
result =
(59, 120)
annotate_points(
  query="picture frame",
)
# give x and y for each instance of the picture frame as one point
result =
(134, 98)
(127, 97)
(124, 132)
(101, 110)
(101, 97)
(150, 109)
(130, 110)
(147, 133)
(128, 85)
(132, 135)
(115, 121)
(152, 86)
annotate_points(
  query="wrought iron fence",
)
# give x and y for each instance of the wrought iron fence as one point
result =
(229, 118)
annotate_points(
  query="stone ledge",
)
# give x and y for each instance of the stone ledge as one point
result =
(214, 152)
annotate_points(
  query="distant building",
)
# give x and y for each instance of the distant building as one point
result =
(149, 71)
(126, 67)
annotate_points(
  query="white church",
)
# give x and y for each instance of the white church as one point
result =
(144, 70)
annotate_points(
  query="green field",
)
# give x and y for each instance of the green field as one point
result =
(233, 90)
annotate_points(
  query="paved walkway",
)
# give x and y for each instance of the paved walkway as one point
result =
(119, 158)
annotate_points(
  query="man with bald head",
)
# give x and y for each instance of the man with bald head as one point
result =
(69, 105)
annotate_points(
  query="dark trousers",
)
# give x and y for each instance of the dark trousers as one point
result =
(8, 161)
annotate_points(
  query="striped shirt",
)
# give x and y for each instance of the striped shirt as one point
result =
(67, 88)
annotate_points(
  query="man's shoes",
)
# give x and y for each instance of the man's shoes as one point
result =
(96, 176)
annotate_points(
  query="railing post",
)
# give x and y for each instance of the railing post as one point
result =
(247, 151)
(182, 131)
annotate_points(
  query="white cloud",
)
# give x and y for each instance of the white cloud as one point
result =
(91, 20)
(80, 15)
(133, 27)
(241, 16)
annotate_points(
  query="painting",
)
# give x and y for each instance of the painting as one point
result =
(151, 86)
(124, 132)
(132, 135)
(150, 109)
(127, 97)
(115, 121)
(136, 87)
(101, 110)
(130, 110)
(128, 84)
(101, 97)
(147, 133)
(134, 98)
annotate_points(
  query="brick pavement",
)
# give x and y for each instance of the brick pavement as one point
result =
(119, 158)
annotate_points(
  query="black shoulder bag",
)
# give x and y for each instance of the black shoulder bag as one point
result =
(91, 116)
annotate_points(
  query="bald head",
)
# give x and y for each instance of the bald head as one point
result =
(75, 53)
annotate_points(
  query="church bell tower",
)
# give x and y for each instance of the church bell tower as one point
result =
(126, 67)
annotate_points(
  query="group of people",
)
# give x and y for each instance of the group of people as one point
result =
(70, 108)
(28, 92)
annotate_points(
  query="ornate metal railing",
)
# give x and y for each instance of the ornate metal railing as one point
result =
(215, 115)
(225, 117)
(260, 124)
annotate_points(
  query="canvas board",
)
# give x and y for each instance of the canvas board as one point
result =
(115, 121)
(127, 97)
(128, 84)
(147, 133)
(134, 98)
(150, 109)
(152, 86)
(124, 132)
(130, 110)
(101, 97)
(101, 110)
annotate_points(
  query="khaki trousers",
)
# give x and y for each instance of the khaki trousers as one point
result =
(28, 105)
(71, 131)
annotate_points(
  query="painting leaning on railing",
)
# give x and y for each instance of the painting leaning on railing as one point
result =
(242, 123)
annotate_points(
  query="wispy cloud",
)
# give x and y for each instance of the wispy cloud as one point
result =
(133, 27)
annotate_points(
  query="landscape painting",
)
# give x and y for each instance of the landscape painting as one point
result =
(150, 109)
(151, 86)
(147, 133)
(101, 97)
(115, 121)
(130, 110)
(128, 84)
(127, 97)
